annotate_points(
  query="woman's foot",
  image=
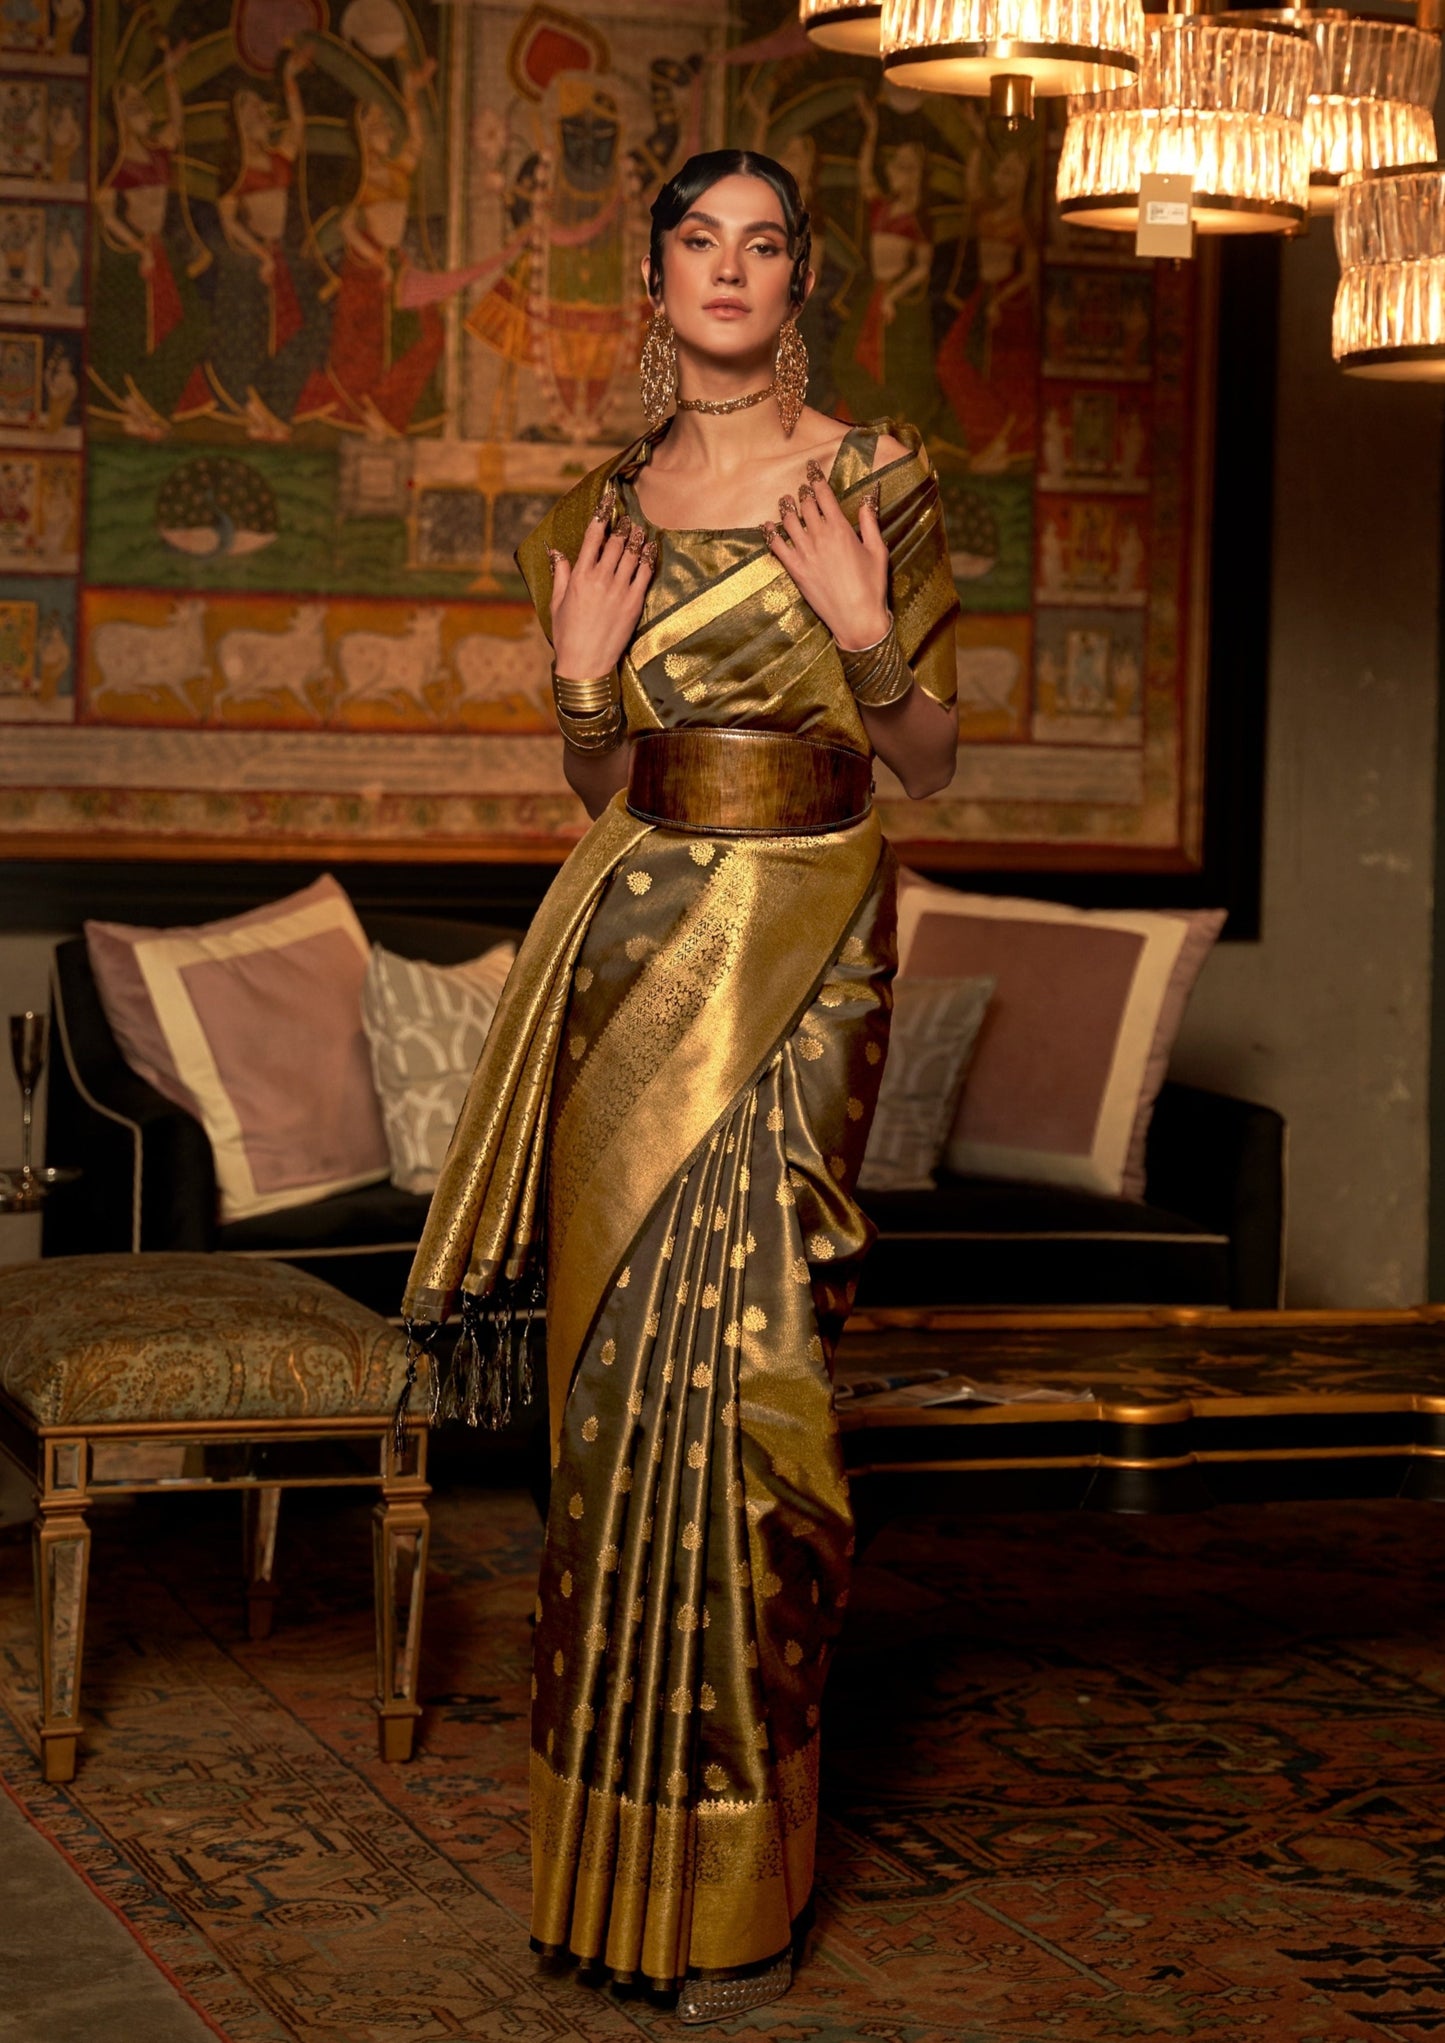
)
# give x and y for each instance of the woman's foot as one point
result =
(714, 2000)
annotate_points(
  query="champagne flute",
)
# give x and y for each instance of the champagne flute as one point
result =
(27, 1048)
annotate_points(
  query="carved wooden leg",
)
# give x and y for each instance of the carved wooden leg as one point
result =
(62, 1569)
(400, 1533)
(261, 1507)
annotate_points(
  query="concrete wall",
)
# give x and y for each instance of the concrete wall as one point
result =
(1328, 1016)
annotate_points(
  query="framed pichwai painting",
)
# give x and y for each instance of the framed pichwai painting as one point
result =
(308, 308)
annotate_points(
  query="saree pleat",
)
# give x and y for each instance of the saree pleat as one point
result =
(681, 1078)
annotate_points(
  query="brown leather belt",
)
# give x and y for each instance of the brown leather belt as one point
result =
(746, 783)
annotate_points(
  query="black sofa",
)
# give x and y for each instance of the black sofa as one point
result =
(1208, 1232)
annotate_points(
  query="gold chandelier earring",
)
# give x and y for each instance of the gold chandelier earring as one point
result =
(658, 370)
(790, 374)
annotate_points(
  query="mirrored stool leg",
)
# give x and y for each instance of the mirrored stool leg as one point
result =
(400, 1533)
(62, 1570)
(262, 1508)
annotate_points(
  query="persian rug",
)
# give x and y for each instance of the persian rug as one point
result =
(1084, 1779)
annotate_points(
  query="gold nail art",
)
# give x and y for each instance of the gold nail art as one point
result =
(770, 530)
(873, 497)
(807, 494)
(816, 473)
(605, 503)
(651, 552)
(786, 504)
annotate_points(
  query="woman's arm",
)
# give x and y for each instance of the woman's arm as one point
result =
(844, 575)
(918, 738)
(596, 601)
(595, 777)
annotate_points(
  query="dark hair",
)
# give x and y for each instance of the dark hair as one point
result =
(700, 173)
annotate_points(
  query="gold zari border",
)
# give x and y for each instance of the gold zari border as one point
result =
(657, 1891)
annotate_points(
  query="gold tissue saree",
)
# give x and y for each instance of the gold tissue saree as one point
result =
(683, 1070)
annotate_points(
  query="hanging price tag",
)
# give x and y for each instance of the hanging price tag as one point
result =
(1166, 215)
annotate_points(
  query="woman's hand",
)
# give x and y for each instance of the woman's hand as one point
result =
(597, 599)
(842, 573)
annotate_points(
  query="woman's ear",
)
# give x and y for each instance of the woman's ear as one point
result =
(646, 268)
(808, 283)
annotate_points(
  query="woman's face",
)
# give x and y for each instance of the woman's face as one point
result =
(726, 271)
(135, 113)
(904, 173)
(253, 118)
(373, 127)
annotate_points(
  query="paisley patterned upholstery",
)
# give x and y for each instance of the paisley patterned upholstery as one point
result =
(97, 1340)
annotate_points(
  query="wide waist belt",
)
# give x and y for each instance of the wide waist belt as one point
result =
(746, 783)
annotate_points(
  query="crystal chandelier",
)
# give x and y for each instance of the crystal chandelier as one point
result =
(838, 25)
(1390, 306)
(1219, 98)
(1011, 49)
(1373, 99)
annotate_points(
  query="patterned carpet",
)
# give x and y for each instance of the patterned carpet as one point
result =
(1084, 1779)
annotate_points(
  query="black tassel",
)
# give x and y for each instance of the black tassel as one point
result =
(421, 1339)
(493, 1370)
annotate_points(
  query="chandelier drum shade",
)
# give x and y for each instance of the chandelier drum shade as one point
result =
(1372, 105)
(1390, 306)
(848, 30)
(1220, 99)
(1052, 47)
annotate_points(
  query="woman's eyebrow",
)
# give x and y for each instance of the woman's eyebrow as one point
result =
(753, 226)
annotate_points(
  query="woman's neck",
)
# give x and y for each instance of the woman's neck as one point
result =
(722, 445)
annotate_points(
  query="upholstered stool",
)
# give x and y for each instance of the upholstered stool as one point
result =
(121, 1374)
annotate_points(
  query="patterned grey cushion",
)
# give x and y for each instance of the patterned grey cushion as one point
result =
(935, 1026)
(426, 1025)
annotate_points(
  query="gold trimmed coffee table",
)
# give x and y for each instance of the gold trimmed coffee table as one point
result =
(1166, 1409)
(123, 1374)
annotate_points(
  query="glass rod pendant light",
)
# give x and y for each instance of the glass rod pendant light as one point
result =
(1220, 98)
(1372, 104)
(1009, 50)
(1390, 306)
(851, 30)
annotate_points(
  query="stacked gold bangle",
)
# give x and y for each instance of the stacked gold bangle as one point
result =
(589, 712)
(877, 674)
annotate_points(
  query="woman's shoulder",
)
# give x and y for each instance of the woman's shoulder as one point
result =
(897, 440)
(879, 444)
(888, 447)
(577, 505)
(564, 524)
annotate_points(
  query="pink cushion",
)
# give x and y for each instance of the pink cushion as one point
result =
(1078, 1034)
(254, 1026)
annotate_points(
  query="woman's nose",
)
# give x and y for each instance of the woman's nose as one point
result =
(729, 266)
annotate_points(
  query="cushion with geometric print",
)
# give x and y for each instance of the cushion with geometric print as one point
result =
(931, 1040)
(426, 1025)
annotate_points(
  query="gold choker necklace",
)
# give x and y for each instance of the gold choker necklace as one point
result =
(717, 406)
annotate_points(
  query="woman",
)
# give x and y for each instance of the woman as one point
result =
(149, 321)
(889, 343)
(988, 358)
(689, 1051)
(263, 345)
(369, 380)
